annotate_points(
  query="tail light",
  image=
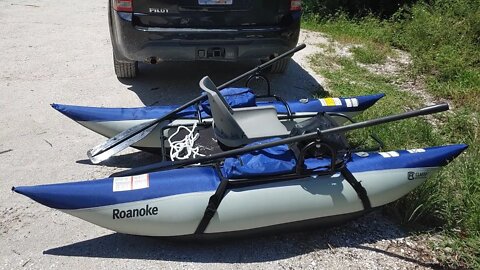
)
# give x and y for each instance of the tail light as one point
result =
(123, 5)
(295, 5)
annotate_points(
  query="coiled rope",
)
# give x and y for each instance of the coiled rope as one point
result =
(186, 145)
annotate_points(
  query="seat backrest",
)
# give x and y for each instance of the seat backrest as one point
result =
(225, 124)
(208, 86)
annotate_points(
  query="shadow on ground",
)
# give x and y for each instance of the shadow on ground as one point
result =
(368, 229)
(177, 82)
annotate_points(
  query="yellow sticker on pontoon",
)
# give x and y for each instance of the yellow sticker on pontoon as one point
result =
(331, 102)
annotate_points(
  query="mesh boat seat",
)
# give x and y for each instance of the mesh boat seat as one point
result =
(236, 127)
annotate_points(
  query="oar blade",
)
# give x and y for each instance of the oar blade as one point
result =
(121, 141)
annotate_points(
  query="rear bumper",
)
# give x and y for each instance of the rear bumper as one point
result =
(138, 43)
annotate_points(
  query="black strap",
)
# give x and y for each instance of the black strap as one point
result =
(212, 206)
(216, 198)
(357, 186)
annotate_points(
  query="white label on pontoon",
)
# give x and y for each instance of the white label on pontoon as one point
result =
(351, 102)
(348, 102)
(389, 154)
(414, 151)
(394, 154)
(385, 155)
(355, 102)
(131, 183)
(140, 181)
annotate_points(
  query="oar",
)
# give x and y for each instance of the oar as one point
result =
(309, 136)
(134, 134)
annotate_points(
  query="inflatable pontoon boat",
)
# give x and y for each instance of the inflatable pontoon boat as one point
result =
(273, 178)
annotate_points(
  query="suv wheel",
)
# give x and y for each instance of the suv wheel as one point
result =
(125, 69)
(280, 66)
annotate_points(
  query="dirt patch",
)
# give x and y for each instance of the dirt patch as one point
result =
(396, 68)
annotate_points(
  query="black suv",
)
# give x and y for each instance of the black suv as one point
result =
(152, 31)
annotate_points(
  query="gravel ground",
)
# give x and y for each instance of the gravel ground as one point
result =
(54, 51)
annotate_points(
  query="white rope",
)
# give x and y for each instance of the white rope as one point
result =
(185, 145)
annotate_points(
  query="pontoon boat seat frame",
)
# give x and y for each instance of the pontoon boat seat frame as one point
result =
(237, 127)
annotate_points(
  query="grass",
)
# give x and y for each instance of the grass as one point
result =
(370, 54)
(443, 39)
(374, 48)
(451, 200)
(350, 79)
(346, 30)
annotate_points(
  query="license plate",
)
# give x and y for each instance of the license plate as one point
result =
(215, 2)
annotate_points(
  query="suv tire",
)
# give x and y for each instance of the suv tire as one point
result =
(280, 66)
(125, 69)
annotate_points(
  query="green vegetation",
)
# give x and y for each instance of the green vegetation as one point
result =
(370, 54)
(443, 39)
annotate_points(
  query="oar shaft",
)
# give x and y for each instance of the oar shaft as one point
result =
(263, 66)
(232, 81)
(308, 136)
(391, 118)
